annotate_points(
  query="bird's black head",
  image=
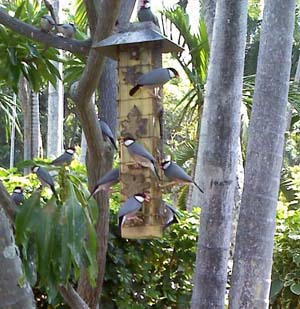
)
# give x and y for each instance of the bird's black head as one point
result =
(35, 168)
(127, 141)
(18, 189)
(165, 164)
(173, 73)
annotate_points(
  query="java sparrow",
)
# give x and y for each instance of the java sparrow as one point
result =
(139, 153)
(17, 195)
(45, 178)
(154, 79)
(107, 132)
(111, 178)
(68, 30)
(169, 214)
(177, 174)
(47, 23)
(145, 13)
(131, 206)
(64, 159)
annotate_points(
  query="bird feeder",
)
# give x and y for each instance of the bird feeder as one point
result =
(138, 48)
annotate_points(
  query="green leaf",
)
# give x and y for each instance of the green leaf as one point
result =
(295, 288)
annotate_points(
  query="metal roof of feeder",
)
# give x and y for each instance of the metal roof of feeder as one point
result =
(135, 33)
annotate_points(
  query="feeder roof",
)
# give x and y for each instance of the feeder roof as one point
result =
(135, 33)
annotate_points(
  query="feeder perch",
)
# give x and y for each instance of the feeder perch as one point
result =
(138, 48)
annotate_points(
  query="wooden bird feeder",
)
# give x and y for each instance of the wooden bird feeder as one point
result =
(138, 48)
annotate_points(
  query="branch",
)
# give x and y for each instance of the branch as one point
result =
(33, 33)
(72, 298)
(7, 203)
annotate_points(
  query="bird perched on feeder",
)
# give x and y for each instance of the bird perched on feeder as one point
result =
(67, 30)
(47, 23)
(106, 181)
(17, 195)
(169, 214)
(145, 13)
(177, 174)
(64, 159)
(107, 132)
(154, 79)
(131, 207)
(140, 155)
(45, 178)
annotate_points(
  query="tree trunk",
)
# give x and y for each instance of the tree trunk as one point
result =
(13, 132)
(24, 97)
(56, 105)
(36, 137)
(208, 8)
(250, 281)
(83, 147)
(108, 111)
(220, 127)
(12, 293)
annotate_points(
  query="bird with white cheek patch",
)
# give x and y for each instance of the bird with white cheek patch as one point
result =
(145, 13)
(140, 154)
(67, 30)
(154, 79)
(131, 206)
(64, 159)
(177, 174)
(18, 196)
(47, 23)
(45, 178)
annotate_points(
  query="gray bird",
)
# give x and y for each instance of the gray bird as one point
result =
(169, 214)
(154, 79)
(67, 30)
(47, 23)
(45, 178)
(177, 174)
(106, 181)
(139, 153)
(130, 208)
(17, 195)
(107, 132)
(64, 159)
(145, 13)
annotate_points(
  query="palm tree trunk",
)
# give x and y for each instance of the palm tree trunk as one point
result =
(13, 133)
(250, 281)
(220, 127)
(56, 105)
(36, 137)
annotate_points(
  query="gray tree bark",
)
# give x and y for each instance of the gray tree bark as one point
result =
(108, 111)
(56, 105)
(250, 281)
(220, 127)
(208, 8)
(12, 294)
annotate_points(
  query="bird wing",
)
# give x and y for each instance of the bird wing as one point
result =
(137, 149)
(155, 77)
(106, 130)
(45, 176)
(111, 176)
(176, 172)
(61, 159)
(130, 206)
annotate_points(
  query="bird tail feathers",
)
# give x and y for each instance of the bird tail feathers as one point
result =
(198, 187)
(134, 90)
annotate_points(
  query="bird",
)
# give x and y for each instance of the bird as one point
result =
(68, 30)
(145, 13)
(139, 153)
(106, 181)
(64, 159)
(177, 174)
(107, 132)
(154, 79)
(45, 178)
(168, 214)
(47, 23)
(130, 207)
(17, 195)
